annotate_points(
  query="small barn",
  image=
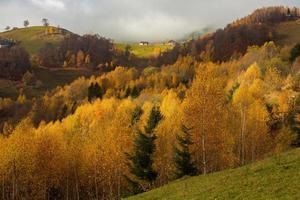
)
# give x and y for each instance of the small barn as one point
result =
(143, 43)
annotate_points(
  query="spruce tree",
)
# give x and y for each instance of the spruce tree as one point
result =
(136, 115)
(94, 91)
(134, 92)
(91, 92)
(182, 156)
(98, 93)
(141, 160)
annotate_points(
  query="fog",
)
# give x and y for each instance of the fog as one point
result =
(131, 20)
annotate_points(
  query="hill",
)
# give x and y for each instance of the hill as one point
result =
(261, 26)
(277, 177)
(33, 38)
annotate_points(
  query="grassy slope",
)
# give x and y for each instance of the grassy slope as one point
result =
(289, 33)
(277, 177)
(32, 38)
(145, 51)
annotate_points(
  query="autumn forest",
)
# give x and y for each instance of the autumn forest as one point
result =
(218, 102)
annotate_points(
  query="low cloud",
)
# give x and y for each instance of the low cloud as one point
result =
(132, 20)
(49, 4)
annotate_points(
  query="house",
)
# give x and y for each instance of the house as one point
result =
(144, 43)
(6, 43)
(172, 42)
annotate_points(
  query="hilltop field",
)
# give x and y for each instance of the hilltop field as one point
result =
(33, 38)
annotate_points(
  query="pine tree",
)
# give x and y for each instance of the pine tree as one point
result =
(141, 161)
(63, 113)
(91, 92)
(295, 52)
(136, 115)
(98, 93)
(94, 91)
(182, 156)
(134, 92)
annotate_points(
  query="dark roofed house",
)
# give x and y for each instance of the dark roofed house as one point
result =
(6, 43)
(144, 43)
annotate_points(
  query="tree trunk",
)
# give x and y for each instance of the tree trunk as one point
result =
(242, 137)
(67, 198)
(203, 145)
(77, 183)
(14, 181)
(119, 186)
(3, 188)
(203, 154)
(96, 186)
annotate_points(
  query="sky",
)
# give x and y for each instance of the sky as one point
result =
(132, 20)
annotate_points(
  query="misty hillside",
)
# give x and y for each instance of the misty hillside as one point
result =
(263, 25)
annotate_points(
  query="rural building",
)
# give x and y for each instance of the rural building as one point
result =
(144, 43)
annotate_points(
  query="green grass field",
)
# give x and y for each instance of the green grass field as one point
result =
(277, 177)
(32, 38)
(50, 80)
(145, 51)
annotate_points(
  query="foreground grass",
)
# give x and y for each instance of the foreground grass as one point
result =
(275, 178)
(145, 51)
(33, 38)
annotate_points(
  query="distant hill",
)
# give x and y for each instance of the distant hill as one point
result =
(33, 38)
(275, 178)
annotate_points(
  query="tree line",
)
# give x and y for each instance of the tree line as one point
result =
(77, 51)
(14, 62)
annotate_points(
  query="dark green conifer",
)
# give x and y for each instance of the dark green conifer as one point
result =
(182, 156)
(94, 91)
(141, 160)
